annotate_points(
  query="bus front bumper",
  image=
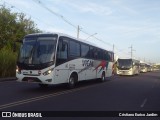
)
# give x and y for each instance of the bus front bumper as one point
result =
(34, 79)
(124, 72)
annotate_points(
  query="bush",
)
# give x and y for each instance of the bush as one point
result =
(8, 62)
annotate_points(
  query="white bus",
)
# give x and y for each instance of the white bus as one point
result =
(58, 58)
(128, 67)
(144, 67)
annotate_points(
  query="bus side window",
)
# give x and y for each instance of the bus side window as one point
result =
(62, 52)
(74, 50)
(108, 57)
(95, 53)
(91, 53)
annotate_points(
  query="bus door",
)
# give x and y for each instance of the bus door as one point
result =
(62, 68)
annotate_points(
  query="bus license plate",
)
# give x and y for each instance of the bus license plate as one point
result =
(30, 80)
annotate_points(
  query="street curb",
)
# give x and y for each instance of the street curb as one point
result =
(8, 79)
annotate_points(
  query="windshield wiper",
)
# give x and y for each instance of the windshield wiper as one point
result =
(28, 57)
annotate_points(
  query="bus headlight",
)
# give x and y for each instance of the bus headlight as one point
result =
(18, 70)
(48, 72)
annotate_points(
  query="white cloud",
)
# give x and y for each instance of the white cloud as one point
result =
(94, 8)
(53, 29)
(60, 30)
(122, 5)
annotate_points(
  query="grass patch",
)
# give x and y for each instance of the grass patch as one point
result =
(8, 60)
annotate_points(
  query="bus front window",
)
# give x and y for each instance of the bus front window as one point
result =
(124, 63)
(38, 51)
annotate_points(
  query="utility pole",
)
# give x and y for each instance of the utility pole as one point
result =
(78, 29)
(113, 48)
(113, 51)
(131, 51)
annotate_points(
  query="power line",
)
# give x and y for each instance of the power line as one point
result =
(12, 6)
(56, 14)
(68, 22)
(63, 18)
(121, 50)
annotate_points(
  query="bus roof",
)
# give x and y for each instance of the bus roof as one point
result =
(128, 59)
(62, 34)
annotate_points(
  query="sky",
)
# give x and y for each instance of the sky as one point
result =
(121, 23)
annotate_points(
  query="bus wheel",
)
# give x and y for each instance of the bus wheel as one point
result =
(103, 78)
(43, 85)
(72, 81)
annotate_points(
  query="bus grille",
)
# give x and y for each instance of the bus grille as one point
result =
(31, 79)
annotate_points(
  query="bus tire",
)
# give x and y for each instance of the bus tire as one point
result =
(72, 81)
(103, 77)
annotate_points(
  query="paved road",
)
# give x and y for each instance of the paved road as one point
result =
(123, 93)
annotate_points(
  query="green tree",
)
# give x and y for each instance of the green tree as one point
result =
(7, 23)
(14, 26)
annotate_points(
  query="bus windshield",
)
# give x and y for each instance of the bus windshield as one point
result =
(143, 65)
(37, 50)
(124, 63)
